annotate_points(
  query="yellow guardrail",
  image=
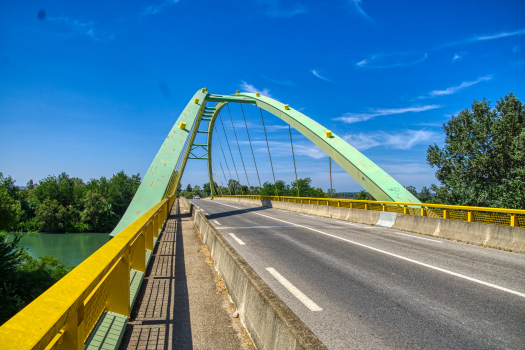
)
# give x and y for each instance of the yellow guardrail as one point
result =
(64, 315)
(498, 216)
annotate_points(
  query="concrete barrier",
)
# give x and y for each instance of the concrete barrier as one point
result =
(496, 236)
(268, 320)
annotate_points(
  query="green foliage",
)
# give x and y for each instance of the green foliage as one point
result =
(66, 204)
(363, 195)
(412, 190)
(23, 277)
(483, 160)
(426, 196)
(10, 210)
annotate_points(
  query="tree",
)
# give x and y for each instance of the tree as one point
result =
(97, 214)
(412, 190)
(188, 188)
(425, 196)
(483, 160)
(363, 195)
(10, 211)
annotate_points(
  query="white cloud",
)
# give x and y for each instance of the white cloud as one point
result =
(391, 60)
(357, 5)
(454, 89)
(277, 10)
(283, 148)
(155, 9)
(250, 88)
(359, 117)
(456, 57)
(403, 140)
(82, 28)
(314, 72)
(500, 35)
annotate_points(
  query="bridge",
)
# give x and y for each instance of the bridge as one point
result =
(303, 272)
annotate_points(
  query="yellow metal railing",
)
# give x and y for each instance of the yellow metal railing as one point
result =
(498, 216)
(64, 315)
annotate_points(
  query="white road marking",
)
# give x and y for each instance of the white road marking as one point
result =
(292, 289)
(407, 259)
(237, 227)
(237, 239)
(218, 223)
(414, 236)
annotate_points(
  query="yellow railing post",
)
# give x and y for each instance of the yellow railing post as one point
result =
(445, 214)
(155, 226)
(470, 217)
(138, 253)
(384, 207)
(149, 236)
(423, 211)
(512, 219)
(339, 204)
(366, 206)
(73, 332)
(118, 298)
(351, 205)
(405, 209)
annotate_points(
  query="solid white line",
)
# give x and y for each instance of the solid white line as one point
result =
(406, 259)
(237, 239)
(215, 221)
(292, 289)
(428, 239)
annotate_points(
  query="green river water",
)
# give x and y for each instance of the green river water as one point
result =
(70, 248)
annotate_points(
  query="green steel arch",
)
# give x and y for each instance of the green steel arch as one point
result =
(166, 170)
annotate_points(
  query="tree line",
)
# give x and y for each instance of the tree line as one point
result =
(66, 204)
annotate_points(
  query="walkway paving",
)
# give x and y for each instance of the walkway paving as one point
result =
(183, 303)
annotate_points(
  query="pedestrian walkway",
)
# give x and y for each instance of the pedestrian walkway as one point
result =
(183, 303)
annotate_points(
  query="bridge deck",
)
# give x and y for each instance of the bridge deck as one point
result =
(180, 304)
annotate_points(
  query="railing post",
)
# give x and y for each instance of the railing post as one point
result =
(366, 206)
(470, 217)
(155, 226)
(512, 219)
(149, 236)
(118, 298)
(351, 205)
(73, 332)
(339, 204)
(384, 207)
(445, 214)
(405, 209)
(138, 253)
(423, 212)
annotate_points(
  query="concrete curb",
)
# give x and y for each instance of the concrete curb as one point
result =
(497, 236)
(268, 320)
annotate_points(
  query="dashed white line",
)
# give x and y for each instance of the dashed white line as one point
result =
(406, 259)
(237, 239)
(292, 289)
(218, 223)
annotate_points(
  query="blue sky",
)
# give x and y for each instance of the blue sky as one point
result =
(92, 88)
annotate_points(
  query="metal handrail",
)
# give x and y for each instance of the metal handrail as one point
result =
(515, 217)
(63, 316)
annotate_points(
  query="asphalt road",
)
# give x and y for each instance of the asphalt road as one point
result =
(365, 287)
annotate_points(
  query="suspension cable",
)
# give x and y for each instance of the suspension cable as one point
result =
(293, 156)
(331, 191)
(231, 154)
(226, 161)
(246, 124)
(219, 174)
(267, 145)
(219, 158)
(239, 147)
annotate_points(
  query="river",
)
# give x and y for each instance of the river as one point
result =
(70, 248)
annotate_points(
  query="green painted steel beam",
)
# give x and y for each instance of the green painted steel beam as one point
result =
(370, 176)
(229, 98)
(156, 179)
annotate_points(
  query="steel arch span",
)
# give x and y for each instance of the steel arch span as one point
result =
(165, 172)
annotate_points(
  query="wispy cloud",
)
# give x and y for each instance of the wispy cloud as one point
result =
(456, 57)
(86, 28)
(500, 35)
(275, 9)
(283, 148)
(316, 73)
(402, 140)
(454, 89)
(156, 9)
(360, 117)
(250, 88)
(279, 82)
(391, 60)
(359, 9)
